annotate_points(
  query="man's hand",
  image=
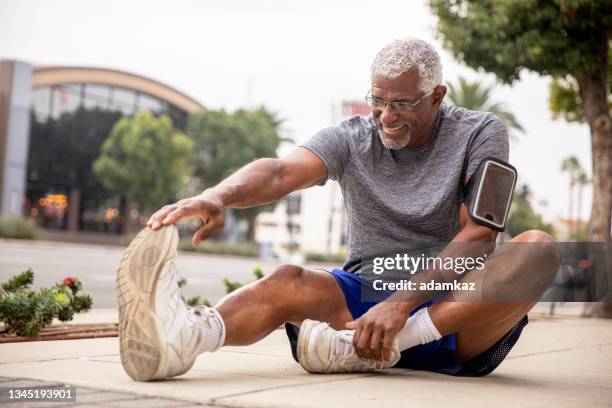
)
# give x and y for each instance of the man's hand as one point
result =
(375, 331)
(206, 206)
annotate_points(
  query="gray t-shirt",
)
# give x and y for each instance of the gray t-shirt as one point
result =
(401, 200)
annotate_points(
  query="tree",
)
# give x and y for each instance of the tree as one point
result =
(566, 39)
(581, 180)
(224, 142)
(577, 178)
(571, 165)
(477, 96)
(522, 217)
(562, 38)
(144, 159)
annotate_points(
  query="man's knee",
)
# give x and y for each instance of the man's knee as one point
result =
(533, 236)
(286, 275)
(536, 260)
(540, 247)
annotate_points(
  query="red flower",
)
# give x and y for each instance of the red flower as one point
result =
(69, 281)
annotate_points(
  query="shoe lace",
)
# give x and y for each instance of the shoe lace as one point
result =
(342, 345)
(344, 351)
(204, 314)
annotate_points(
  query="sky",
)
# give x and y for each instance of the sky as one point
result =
(298, 59)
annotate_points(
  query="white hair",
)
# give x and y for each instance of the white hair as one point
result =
(403, 55)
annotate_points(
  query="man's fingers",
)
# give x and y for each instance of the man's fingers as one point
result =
(197, 236)
(363, 344)
(155, 222)
(152, 219)
(207, 228)
(174, 216)
(357, 335)
(170, 214)
(352, 325)
(387, 345)
(376, 344)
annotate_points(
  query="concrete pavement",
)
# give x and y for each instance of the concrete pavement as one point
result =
(563, 361)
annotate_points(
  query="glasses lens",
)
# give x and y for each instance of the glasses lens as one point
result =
(375, 102)
(404, 106)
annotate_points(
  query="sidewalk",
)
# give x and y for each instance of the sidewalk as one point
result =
(562, 361)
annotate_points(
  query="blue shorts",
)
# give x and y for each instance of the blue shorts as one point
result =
(438, 356)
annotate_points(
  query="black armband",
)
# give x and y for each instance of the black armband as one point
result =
(489, 193)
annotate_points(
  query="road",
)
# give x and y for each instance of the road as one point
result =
(96, 265)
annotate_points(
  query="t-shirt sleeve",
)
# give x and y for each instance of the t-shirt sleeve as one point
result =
(490, 141)
(332, 146)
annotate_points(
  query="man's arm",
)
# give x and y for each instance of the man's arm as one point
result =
(267, 180)
(260, 182)
(479, 240)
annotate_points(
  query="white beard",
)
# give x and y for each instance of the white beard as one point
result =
(395, 144)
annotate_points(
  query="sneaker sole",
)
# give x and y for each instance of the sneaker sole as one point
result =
(302, 343)
(141, 337)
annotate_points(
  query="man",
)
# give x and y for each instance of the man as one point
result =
(403, 173)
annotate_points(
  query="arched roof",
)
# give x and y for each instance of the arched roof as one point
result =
(47, 76)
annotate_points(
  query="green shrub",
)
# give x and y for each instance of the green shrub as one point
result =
(198, 301)
(16, 227)
(230, 286)
(333, 258)
(194, 300)
(26, 312)
(247, 249)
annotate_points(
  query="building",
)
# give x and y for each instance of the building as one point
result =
(318, 224)
(308, 221)
(33, 178)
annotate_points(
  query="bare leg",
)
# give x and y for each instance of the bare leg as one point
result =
(289, 294)
(480, 324)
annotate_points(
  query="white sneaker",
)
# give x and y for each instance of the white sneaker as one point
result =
(159, 336)
(322, 349)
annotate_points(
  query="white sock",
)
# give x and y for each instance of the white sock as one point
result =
(419, 329)
(213, 330)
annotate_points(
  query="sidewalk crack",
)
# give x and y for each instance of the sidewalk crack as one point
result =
(59, 359)
(216, 401)
(559, 350)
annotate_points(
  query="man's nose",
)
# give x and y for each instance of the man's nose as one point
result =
(388, 115)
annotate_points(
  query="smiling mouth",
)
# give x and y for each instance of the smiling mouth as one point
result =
(394, 130)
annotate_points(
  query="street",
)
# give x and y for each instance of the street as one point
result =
(96, 265)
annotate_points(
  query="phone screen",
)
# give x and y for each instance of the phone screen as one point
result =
(495, 193)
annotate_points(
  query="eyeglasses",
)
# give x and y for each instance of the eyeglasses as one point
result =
(398, 106)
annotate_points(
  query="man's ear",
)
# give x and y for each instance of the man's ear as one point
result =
(438, 95)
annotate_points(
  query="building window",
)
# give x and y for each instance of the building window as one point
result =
(41, 101)
(294, 203)
(65, 98)
(124, 100)
(149, 103)
(96, 96)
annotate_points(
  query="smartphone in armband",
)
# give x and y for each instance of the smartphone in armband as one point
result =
(489, 193)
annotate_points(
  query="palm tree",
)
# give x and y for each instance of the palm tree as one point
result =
(572, 166)
(477, 96)
(581, 180)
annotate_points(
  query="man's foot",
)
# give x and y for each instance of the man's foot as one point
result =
(322, 349)
(159, 337)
